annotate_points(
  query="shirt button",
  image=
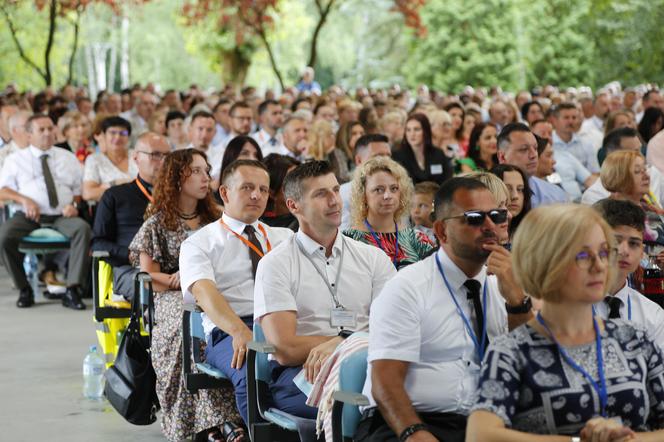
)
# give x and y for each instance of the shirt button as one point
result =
(332, 284)
(327, 262)
(320, 248)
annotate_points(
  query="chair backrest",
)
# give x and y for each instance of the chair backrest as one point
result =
(352, 375)
(262, 363)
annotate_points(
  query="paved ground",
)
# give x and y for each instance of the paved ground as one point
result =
(41, 356)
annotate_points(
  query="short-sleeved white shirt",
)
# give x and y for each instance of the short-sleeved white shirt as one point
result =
(415, 320)
(287, 281)
(643, 311)
(216, 254)
(22, 173)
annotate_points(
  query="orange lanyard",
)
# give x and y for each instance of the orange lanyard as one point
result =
(246, 241)
(144, 190)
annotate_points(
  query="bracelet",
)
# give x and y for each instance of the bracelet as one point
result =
(410, 430)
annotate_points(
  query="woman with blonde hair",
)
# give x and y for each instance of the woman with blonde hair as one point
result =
(567, 372)
(442, 133)
(76, 130)
(380, 200)
(322, 148)
(625, 175)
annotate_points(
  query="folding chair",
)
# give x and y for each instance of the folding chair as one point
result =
(347, 400)
(205, 376)
(265, 424)
(42, 241)
(111, 317)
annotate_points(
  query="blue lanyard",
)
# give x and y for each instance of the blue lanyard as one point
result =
(601, 388)
(480, 344)
(379, 241)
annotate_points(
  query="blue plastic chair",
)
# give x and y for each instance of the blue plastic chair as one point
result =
(41, 241)
(345, 410)
(265, 423)
(205, 376)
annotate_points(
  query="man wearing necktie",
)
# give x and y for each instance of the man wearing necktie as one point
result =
(218, 267)
(622, 301)
(44, 185)
(432, 322)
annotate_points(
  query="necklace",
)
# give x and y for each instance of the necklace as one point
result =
(188, 216)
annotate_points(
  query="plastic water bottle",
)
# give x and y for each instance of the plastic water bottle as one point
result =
(93, 375)
(30, 265)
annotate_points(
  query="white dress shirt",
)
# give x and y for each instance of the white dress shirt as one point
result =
(344, 192)
(637, 308)
(216, 254)
(415, 320)
(7, 150)
(22, 173)
(267, 147)
(287, 280)
(581, 149)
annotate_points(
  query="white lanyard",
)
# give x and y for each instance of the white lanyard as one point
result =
(331, 288)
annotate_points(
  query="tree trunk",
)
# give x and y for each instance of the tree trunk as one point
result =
(273, 62)
(323, 12)
(49, 43)
(72, 56)
(234, 66)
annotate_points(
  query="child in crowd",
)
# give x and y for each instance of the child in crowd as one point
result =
(622, 301)
(422, 207)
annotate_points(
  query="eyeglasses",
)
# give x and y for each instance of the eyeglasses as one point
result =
(475, 218)
(156, 156)
(584, 260)
(122, 133)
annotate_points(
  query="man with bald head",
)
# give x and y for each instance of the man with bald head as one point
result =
(121, 208)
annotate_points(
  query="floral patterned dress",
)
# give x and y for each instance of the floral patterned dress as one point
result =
(183, 413)
(413, 245)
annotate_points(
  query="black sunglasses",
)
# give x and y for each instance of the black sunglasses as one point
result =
(476, 218)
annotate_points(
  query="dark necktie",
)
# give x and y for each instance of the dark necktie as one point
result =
(50, 184)
(474, 287)
(273, 141)
(614, 306)
(255, 257)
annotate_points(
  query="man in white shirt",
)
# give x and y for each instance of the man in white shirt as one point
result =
(366, 147)
(432, 322)
(217, 269)
(592, 129)
(296, 129)
(139, 116)
(45, 183)
(223, 119)
(315, 289)
(628, 223)
(565, 117)
(200, 134)
(19, 136)
(271, 118)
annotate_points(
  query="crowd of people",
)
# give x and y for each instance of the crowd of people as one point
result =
(493, 246)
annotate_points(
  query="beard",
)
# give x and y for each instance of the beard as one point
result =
(473, 251)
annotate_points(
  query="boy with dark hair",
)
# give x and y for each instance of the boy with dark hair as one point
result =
(628, 223)
(421, 208)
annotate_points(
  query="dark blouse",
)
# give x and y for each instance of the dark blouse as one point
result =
(528, 385)
(437, 166)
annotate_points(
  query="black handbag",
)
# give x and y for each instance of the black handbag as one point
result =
(131, 380)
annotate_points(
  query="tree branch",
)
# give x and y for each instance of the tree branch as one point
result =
(17, 43)
(323, 12)
(260, 31)
(72, 56)
(49, 42)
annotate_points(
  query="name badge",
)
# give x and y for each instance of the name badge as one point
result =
(436, 169)
(342, 318)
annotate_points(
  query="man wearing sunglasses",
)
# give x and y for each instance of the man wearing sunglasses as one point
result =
(432, 322)
(121, 208)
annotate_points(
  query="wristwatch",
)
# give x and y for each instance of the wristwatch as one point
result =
(525, 306)
(343, 334)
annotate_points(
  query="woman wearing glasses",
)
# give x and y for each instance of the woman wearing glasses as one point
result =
(567, 372)
(113, 164)
(182, 204)
(380, 201)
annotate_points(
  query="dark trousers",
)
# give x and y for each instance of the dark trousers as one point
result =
(219, 354)
(77, 230)
(123, 281)
(448, 427)
(286, 395)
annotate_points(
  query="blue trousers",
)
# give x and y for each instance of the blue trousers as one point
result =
(219, 354)
(285, 394)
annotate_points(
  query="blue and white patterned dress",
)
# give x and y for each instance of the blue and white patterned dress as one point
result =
(532, 389)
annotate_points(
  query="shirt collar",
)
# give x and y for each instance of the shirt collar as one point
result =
(236, 225)
(37, 152)
(623, 293)
(557, 139)
(147, 185)
(455, 276)
(311, 246)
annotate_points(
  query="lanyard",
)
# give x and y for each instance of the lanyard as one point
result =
(246, 241)
(601, 388)
(379, 241)
(332, 289)
(480, 344)
(144, 190)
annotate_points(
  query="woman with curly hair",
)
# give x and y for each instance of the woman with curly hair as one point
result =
(380, 199)
(182, 204)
